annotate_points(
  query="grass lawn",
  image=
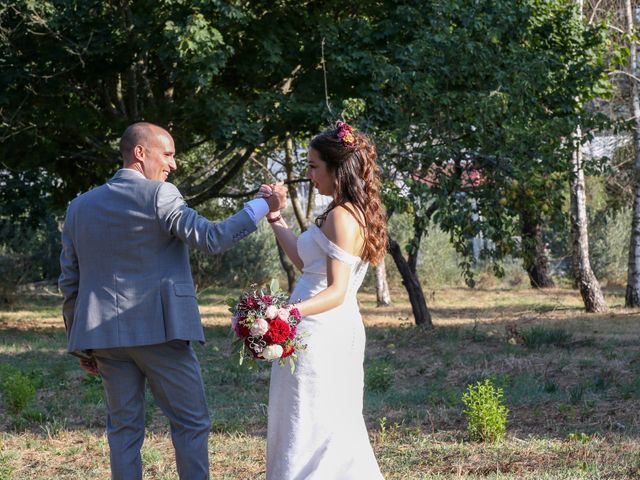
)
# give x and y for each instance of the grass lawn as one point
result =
(571, 382)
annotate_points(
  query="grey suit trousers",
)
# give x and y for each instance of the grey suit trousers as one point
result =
(174, 376)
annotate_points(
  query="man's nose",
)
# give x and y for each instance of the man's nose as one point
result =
(172, 164)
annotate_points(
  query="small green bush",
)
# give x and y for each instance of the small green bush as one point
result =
(486, 415)
(18, 390)
(539, 336)
(379, 376)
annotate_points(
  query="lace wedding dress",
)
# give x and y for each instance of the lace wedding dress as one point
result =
(316, 430)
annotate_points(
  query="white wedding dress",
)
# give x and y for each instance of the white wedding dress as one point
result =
(316, 430)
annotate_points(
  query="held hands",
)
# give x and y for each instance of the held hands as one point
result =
(275, 195)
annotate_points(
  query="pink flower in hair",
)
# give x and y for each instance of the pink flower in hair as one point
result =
(345, 133)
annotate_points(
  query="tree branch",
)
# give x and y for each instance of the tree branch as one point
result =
(251, 193)
(215, 183)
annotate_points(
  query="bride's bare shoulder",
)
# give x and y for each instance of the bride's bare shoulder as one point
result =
(343, 229)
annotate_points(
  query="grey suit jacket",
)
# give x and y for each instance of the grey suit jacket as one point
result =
(126, 277)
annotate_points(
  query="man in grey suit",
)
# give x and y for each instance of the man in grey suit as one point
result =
(130, 306)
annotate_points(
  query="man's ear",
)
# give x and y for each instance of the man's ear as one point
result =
(138, 152)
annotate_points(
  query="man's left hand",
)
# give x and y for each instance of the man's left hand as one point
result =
(89, 365)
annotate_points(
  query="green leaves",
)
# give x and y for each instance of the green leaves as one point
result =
(486, 415)
(453, 88)
(491, 90)
(274, 286)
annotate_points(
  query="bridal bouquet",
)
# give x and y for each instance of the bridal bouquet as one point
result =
(266, 326)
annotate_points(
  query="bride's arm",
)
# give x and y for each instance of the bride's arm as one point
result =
(343, 230)
(286, 238)
(284, 235)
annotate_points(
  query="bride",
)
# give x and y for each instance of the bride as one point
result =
(316, 430)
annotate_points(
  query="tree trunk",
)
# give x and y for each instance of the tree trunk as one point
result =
(632, 297)
(288, 268)
(534, 255)
(383, 297)
(311, 203)
(293, 190)
(412, 284)
(585, 279)
(419, 227)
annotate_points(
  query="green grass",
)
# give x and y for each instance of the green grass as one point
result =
(573, 399)
(540, 336)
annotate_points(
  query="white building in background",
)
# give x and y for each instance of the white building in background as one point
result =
(604, 146)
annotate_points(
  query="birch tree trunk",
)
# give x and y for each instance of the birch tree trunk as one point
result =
(632, 297)
(585, 278)
(383, 297)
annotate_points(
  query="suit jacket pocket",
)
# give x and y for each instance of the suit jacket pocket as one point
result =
(184, 290)
(180, 309)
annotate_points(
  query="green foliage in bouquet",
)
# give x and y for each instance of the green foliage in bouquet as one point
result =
(486, 415)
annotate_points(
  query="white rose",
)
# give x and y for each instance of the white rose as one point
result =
(271, 312)
(259, 327)
(284, 314)
(272, 352)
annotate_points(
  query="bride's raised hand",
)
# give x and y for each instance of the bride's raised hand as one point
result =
(279, 190)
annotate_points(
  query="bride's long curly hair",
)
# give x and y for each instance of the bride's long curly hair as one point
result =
(356, 181)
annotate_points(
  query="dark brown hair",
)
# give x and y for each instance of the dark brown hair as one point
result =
(356, 181)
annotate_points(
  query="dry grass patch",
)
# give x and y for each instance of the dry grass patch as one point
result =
(573, 404)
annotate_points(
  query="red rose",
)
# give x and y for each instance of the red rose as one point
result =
(266, 299)
(278, 331)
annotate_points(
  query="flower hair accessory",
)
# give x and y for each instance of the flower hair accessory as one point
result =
(345, 134)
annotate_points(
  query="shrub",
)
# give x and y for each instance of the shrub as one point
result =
(18, 390)
(486, 415)
(379, 376)
(609, 244)
(538, 336)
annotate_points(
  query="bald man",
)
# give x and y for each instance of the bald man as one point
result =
(130, 306)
